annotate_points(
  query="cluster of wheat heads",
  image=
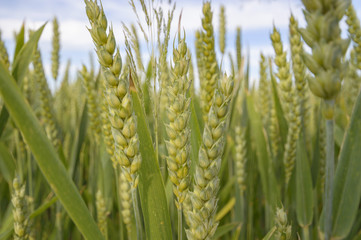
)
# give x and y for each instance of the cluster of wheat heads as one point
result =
(133, 149)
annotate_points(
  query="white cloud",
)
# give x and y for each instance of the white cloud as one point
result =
(252, 15)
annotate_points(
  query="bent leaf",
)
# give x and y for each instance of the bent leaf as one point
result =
(347, 186)
(46, 156)
(151, 187)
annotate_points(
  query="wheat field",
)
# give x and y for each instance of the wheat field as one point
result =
(178, 145)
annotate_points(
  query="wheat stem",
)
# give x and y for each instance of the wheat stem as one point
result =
(306, 233)
(330, 168)
(180, 227)
(138, 221)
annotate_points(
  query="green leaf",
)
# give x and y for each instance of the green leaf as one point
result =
(268, 179)
(6, 234)
(24, 57)
(7, 164)
(198, 111)
(358, 236)
(315, 166)
(270, 233)
(7, 223)
(4, 116)
(227, 189)
(339, 134)
(282, 122)
(151, 187)
(20, 39)
(304, 190)
(46, 156)
(224, 229)
(43, 207)
(347, 185)
(80, 137)
(20, 67)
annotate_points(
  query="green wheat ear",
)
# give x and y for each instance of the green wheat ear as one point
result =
(102, 213)
(283, 230)
(239, 49)
(4, 56)
(283, 73)
(327, 46)
(94, 111)
(46, 100)
(117, 93)
(264, 92)
(241, 157)
(55, 53)
(201, 219)
(354, 29)
(178, 131)
(20, 211)
(211, 70)
(126, 201)
(222, 30)
(291, 104)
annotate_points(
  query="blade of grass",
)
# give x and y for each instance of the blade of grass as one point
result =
(283, 126)
(46, 156)
(224, 229)
(80, 137)
(7, 224)
(304, 190)
(315, 166)
(270, 233)
(20, 67)
(43, 207)
(20, 39)
(7, 164)
(151, 187)
(347, 183)
(268, 179)
(226, 209)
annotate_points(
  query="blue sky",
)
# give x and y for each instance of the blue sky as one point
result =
(255, 17)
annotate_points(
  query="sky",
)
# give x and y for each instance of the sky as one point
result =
(255, 17)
